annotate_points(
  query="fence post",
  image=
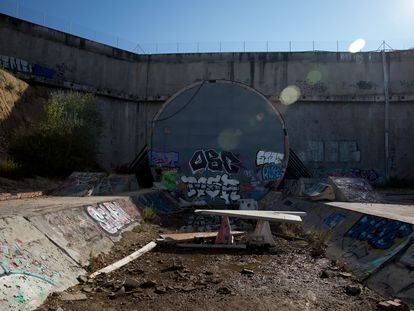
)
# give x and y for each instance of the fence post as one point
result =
(337, 46)
(313, 45)
(267, 46)
(244, 46)
(156, 48)
(290, 46)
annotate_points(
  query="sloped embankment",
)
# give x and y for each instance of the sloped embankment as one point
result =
(21, 106)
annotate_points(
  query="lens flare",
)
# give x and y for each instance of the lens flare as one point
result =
(229, 139)
(289, 95)
(313, 77)
(260, 116)
(356, 46)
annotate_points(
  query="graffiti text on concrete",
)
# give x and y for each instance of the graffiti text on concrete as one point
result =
(222, 186)
(225, 161)
(379, 232)
(110, 216)
(268, 157)
(163, 159)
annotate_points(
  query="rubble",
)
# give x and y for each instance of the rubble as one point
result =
(353, 290)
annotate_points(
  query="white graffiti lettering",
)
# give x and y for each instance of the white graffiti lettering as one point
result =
(227, 188)
(110, 216)
(268, 157)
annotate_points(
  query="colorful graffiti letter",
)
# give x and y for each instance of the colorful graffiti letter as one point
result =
(110, 216)
(163, 159)
(268, 157)
(379, 232)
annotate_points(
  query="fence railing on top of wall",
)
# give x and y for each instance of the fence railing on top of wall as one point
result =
(15, 9)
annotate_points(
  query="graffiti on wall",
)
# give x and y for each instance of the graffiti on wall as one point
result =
(268, 157)
(334, 219)
(271, 172)
(15, 259)
(163, 159)
(219, 186)
(168, 180)
(224, 161)
(378, 232)
(20, 65)
(269, 165)
(111, 216)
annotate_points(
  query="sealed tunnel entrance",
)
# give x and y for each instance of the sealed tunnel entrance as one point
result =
(218, 141)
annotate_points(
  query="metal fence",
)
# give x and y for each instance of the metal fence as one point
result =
(15, 9)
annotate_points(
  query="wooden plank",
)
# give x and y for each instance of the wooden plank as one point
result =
(276, 216)
(188, 236)
(120, 263)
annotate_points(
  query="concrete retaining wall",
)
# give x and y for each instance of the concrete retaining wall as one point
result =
(336, 127)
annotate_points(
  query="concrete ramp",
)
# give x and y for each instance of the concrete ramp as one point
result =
(45, 248)
(32, 266)
(376, 241)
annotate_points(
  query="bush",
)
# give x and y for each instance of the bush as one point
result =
(11, 169)
(148, 214)
(65, 141)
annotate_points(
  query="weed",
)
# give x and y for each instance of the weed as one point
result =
(318, 240)
(148, 214)
(91, 262)
(9, 86)
(11, 169)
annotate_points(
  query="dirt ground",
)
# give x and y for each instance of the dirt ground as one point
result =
(287, 277)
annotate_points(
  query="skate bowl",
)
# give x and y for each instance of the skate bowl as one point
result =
(218, 141)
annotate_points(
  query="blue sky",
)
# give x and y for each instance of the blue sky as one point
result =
(162, 21)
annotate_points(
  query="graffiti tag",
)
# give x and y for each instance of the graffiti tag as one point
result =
(271, 172)
(379, 232)
(110, 216)
(214, 161)
(227, 188)
(268, 157)
(163, 159)
(333, 220)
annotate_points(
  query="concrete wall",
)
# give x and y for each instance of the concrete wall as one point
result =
(337, 126)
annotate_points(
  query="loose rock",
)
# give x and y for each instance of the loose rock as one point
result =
(352, 290)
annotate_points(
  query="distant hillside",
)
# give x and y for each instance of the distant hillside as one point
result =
(21, 106)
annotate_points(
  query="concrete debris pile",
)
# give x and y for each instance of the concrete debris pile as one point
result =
(96, 183)
(344, 189)
(354, 190)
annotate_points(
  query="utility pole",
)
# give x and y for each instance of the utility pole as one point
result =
(386, 113)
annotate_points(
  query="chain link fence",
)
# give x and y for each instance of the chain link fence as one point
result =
(15, 9)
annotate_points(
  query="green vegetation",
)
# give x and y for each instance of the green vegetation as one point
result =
(91, 262)
(11, 169)
(148, 214)
(64, 141)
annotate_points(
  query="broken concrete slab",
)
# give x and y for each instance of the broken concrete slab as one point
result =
(354, 190)
(319, 192)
